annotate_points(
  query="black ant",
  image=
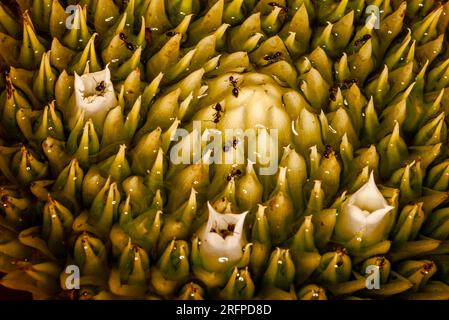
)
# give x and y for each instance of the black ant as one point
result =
(362, 40)
(229, 231)
(100, 86)
(233, 81)
(274, 4)
(328, 151)
(233, 144)
(234, 174)
(427, 268)
(170, 33)
(349, 82)
(9, 85)
(217, 115)
(218, 107)
(346, 84)
(235, 89)
(128, 45)
(272, 58)
(333, 92)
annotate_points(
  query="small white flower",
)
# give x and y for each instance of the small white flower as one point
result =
(94, 93)
(364, 216)
(221, 240)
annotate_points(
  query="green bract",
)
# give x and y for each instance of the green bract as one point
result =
(345, 178)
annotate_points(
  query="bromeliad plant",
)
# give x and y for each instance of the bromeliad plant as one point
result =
(91, 101)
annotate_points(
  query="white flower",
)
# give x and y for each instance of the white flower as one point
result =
(94, 93)
(365, 216)
(221, 240)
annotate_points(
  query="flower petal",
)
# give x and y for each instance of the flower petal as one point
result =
(219, 252)
(350, 221)
(368, 197)
(94, 93)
